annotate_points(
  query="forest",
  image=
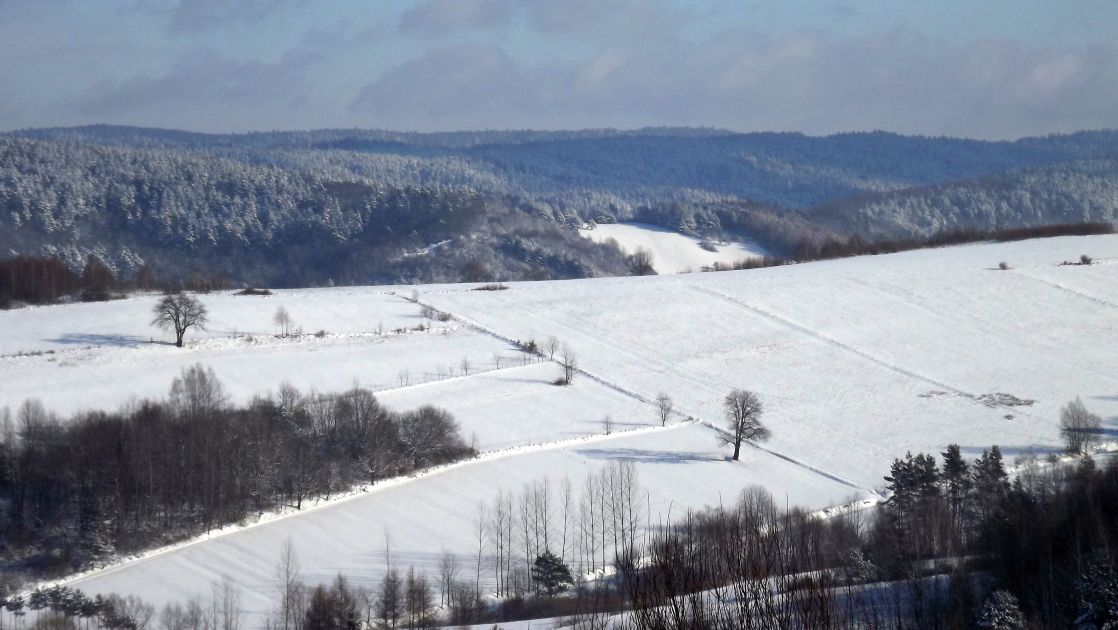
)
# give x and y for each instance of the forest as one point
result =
(367, 207)
(959, 544)
(78, 492)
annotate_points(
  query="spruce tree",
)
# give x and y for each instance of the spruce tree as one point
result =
(551, 574)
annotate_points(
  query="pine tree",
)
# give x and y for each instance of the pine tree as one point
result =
(1001, 612)
(957, 484)
(551, 574)
(1098, 596)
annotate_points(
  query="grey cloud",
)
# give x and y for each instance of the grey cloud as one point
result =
(438, 17)
(805, 81)
(202, 90)
(197, 15)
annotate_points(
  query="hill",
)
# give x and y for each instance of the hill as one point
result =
(612, 172)
(856, 362)
(1084, 191)
(181, 213)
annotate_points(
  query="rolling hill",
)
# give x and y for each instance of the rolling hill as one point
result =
(856, 362)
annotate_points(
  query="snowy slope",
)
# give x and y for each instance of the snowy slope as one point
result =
(672, 252)
(126, 323)
(855, 360)
(106, 376)
(679, 467)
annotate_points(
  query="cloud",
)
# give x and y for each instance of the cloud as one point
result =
(201, 15)
(201, 89)
(807, 81)
(438, 17)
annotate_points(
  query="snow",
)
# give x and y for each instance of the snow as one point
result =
(672, 252)
(856, 361)
(106, 377)
(127, 323)
(680, 467)
(543, 412)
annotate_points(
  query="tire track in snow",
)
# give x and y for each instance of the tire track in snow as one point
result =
(649, 401)
(1021, 411)
(1066, 289)
(835, 343)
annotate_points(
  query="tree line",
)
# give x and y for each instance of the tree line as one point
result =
(844, 247)
(958, 544)
(74, 492)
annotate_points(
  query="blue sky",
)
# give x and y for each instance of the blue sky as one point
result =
(978, 68)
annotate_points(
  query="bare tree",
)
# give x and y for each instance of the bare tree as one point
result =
(448, 573)
(569, 362)
(465, 365)
(283, 319)
(1078, 426)
(664, 408)
(196, 392)
(292, 593)
(743, 420)
(551, 346)
(428, 433)
(641, 263)
(607, 424)
(178, 312)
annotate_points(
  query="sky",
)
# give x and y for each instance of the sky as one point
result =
(975, 68)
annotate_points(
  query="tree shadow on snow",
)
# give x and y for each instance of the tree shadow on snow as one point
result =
(92, 339)
(646, 456)
(1009, 453)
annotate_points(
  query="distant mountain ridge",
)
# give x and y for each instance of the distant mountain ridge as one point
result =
(301, 207)
(591, 170)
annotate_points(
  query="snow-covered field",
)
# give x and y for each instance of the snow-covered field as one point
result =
(856, 361)
(672, 252)
(679, 464)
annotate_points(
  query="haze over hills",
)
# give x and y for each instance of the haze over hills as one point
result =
(358, 206)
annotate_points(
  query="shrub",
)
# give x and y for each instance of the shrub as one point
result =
(253, 291)
(1085, 260)
(1003, 265)
(492, 286)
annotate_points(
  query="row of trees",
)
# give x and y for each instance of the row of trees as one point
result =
(74, 492)
(46, 280)
(958, 545)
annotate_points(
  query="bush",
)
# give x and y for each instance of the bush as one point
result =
(1003, 265)
(1085, 260)
(253, 291)
(492, 286)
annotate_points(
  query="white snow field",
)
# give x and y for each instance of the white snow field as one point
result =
(105, 377)
(678, 465)
(672, 252)
(856, 361)
(126, 323)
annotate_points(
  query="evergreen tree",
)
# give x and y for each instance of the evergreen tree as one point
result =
(1098, 596)
(1001, 612)
(957, 484)
(991, 484)
(551, 574)
(334, 608)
